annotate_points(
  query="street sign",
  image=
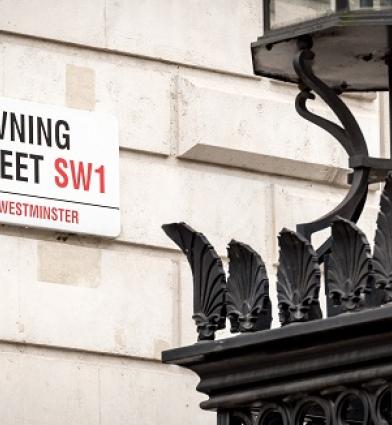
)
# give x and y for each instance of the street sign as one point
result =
(59, 168)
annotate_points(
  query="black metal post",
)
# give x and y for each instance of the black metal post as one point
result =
(390, 106)
(389, 65)
(266, 15)
(342, 5)
(223, 417)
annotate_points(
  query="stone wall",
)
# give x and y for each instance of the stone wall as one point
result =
(83, 320)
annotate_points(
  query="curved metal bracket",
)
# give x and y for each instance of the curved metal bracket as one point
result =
(349, 135)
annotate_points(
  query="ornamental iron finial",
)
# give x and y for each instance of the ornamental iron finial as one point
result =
(349, 266)
(209, 281)
(382, 257)
(298, 279)
(247, 301)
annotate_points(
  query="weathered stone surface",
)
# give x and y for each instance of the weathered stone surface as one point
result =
(62, 388)
(161, 394)
(220, 204)
(172, 32)
(114, 301)
(383, 102)
(261, 132)
(69, 265)
(138, 95)
(80, 87)
(12, 270)
(66, 20)
(46, 84)
(48, 389)
(209, 34)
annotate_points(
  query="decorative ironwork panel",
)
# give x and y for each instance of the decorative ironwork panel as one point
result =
(368, 404)
(273, 414)
(235, 417)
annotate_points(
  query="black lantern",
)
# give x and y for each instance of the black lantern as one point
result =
(351, 40)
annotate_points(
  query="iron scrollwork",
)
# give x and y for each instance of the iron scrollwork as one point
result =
(364, 405)
(381, 405)
(353, 405)
(312, 410)
(349, 135)
(235, 417)
(274, 413)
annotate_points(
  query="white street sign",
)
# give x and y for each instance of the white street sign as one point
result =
(59, 168)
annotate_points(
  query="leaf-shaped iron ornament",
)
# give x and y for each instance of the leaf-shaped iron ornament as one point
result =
(209, 280)
(247, 299)
(349, 266)
(298, 279)
(382, 256)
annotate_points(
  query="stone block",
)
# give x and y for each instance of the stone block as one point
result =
(65, 20)
(383, 101)
(150, 394)
(222, 204)
(69, 265)
(214, 35)
(42, 386)
(261, 132)
(139, 96)
(15, 259)
(50, 389)
(103, 300)
(33, 71)
(80, 87)
(200, 33)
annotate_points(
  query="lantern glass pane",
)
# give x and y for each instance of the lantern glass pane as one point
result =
(288, 12)
(370, 4)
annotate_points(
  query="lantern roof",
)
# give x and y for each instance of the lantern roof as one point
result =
(352, 50)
